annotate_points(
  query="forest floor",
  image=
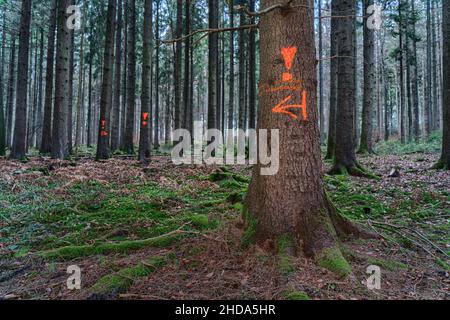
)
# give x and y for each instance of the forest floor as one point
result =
(174, 232)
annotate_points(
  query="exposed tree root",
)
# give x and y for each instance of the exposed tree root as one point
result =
(356, 170)
(441, 165)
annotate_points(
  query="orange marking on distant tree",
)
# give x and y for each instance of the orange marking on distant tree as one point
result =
(288, 56)
(145, 116)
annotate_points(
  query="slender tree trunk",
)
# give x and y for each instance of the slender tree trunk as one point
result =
(18, 150)
(213, 53)
(103, 151)
(344, 153)
(434, 86)
(158, 121)
(402, 33)
(242, 73)
(2, 109)
(414, 80)
(428, 108)
(60, 147)
(187, 68)
(115, 114)
(70, 108)
(291, 208)
(131, 81)
(146, 101)
(80, 95)
(444, 162)
(252, 71)
(321, 106)
(331, 143)
(231, 82)
(177, 66)
(366, 145)
(10, 97)
(39, 112)
(90, 106)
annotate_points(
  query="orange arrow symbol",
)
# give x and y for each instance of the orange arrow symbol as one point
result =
(283, 108)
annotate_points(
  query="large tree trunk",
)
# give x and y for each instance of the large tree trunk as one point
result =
(60, 147)
(106, 95)
(144, 141)
(18, 150)
(293, 204)
(444, 161)
(131, 81)
(366, 145)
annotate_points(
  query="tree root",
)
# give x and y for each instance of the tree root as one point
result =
(356, 170)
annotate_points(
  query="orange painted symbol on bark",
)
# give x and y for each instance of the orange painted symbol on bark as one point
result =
(288, 56)
(144, 119)
(103, 132)
(282, 107)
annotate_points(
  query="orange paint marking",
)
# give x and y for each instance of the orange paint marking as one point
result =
(144, 123)
(103, 133)
(145, 116)
(288, 56)
(283, 108)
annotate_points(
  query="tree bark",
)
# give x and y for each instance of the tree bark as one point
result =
(131, 81)
(444, 162)
(60, 147)
(231, 82)
(331, 141)
(115, 114)
(344, 153)
(2, 109)
(177, 66)
(366, 145)
(292, 204)
(103, 151)
(158, 121)
(213, 53)
(144, 141)
(18, 150)
(10, 96)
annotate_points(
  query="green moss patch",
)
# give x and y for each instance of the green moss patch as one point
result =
(332, 259)
(295, 295)
(123, 279)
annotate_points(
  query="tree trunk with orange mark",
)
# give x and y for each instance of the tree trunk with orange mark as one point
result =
(293, 204)
(144, 141)
(103, 151)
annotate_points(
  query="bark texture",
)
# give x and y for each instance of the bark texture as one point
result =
(293, 203)
(18, 150)
(444, 162)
